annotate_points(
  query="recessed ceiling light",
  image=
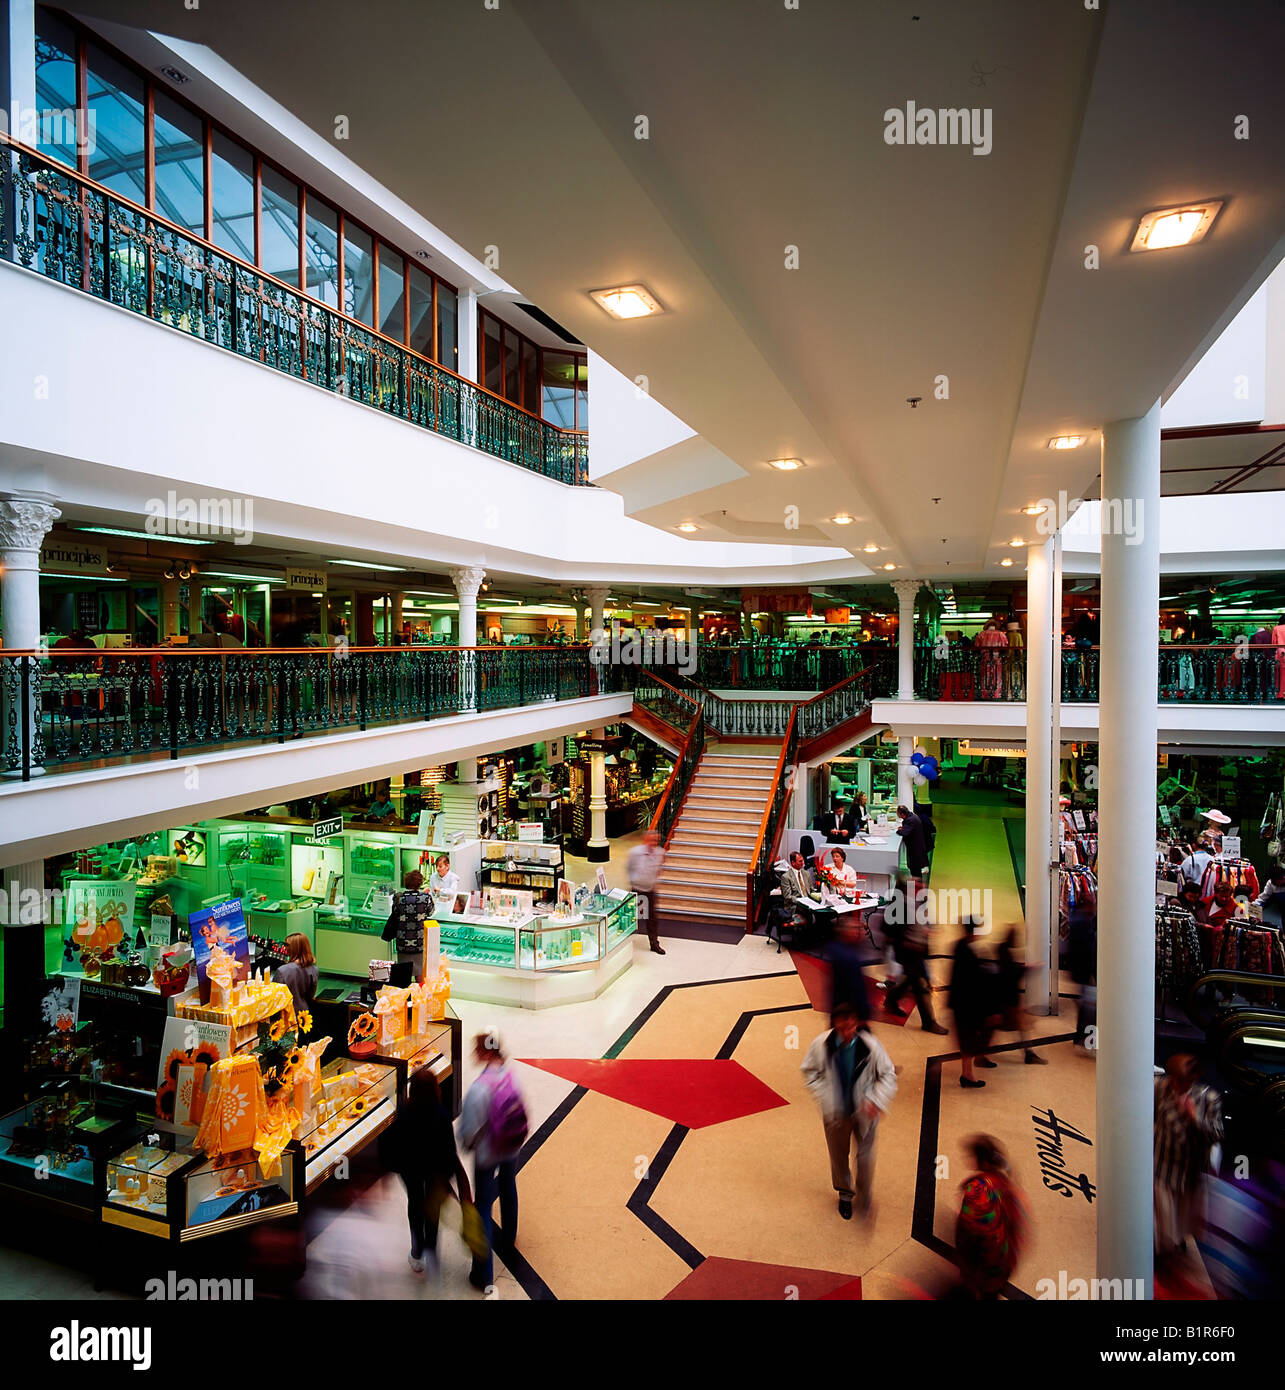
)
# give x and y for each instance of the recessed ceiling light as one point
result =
(1006, 561)
(627, 302)
(1168, 227)
(843, 519)
(1016, 541)
(144, 535)
(1067, 441)
(786, 465)
(369, 565)
(686, 526)
(871, 549)
(1034, 510)
(890, 566)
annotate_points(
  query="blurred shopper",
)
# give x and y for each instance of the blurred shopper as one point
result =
(972, 1000)
(493, 1124)
(1012, 1006)
(1188, 1123)
(1082, 962)
(299, 973)
(644, 865)
(848, 959)
(908, 936)
(853, 1081)
(421, 1150)
(991, 1229)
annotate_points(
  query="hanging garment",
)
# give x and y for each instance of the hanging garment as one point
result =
(1240, 873)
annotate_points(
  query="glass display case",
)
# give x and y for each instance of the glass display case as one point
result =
(225, 1194)
(46, 1148)
(358, 1100)
(620, 917)
(432, 1048)
(259, 858)
(487, 941)
(372, 860)
(551, 943)
(138, 1190)
(345, 945)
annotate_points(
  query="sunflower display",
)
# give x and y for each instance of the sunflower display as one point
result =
(304, 1021)
(363, 1028)
(277, 1028)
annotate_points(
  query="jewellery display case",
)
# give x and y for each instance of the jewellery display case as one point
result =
(359, 1099)
(481, 941)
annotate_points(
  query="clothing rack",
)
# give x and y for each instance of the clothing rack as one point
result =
(1240, 873)
(1077, 887)
(1179, 961)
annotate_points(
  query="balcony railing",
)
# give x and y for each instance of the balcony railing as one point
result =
(63, 708)
(791, 666)
(72, 230)
(1239, 673)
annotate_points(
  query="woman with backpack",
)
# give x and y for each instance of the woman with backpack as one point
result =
(493, 1124)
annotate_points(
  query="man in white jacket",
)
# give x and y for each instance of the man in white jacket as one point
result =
(852, 1079)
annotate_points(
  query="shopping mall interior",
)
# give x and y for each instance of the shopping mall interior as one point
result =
(687, 710)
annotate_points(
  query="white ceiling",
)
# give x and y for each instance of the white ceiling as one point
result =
(515, 128)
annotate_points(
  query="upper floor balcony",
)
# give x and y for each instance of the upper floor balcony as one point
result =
(67, 227)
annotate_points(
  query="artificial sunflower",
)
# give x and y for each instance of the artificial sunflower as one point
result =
(304, 1022)
(296, 1057)
(364, 1026)
(277, 1028)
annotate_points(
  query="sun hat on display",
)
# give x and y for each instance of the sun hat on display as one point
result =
(1216, 816)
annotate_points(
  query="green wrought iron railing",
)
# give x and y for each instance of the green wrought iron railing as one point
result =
(77, 706)
(74, 231)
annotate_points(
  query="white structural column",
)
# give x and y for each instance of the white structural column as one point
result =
(1126, 839)
(171, 609)
(466, 365)
(906, 590)
(25, 520)
(598, 849)
(468, 580)
(1041, 777)
(597, 597)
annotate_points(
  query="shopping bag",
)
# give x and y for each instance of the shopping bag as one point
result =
(472, 1230)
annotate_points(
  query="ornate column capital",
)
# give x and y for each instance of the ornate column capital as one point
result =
(25, 522)
(468, 580)
(906, 590)
(597, 594)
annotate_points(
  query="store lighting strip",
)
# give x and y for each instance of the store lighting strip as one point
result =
(148, 535)
(370, 565)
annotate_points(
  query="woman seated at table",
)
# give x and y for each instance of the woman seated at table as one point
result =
(840, 877)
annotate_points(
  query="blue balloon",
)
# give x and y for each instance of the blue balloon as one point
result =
(916, 757)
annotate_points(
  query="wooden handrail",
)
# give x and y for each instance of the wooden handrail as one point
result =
(673, 775)
(86, 182)
(682, 694)
(776, 777)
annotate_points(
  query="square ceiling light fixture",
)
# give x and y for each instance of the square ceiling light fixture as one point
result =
(627, 302)
(785, 465)
(687, 527)
(1067, 441)
(1169, 227)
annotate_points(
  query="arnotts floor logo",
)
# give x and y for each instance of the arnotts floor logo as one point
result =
(943, 125)
(173, 515)
(77, 1343)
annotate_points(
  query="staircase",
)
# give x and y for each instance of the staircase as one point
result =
(712, 845)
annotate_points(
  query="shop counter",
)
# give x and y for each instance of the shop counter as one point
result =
(537, 961)
(276, 925)
(347, 945)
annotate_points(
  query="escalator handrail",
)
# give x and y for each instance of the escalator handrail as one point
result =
(1229, 977)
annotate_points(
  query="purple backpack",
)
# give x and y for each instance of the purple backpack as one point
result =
(506, 1118)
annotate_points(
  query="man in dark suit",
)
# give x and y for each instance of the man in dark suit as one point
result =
(837, 826)
(911, 830)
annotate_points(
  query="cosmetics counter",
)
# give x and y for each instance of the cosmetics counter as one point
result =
(510, 954)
